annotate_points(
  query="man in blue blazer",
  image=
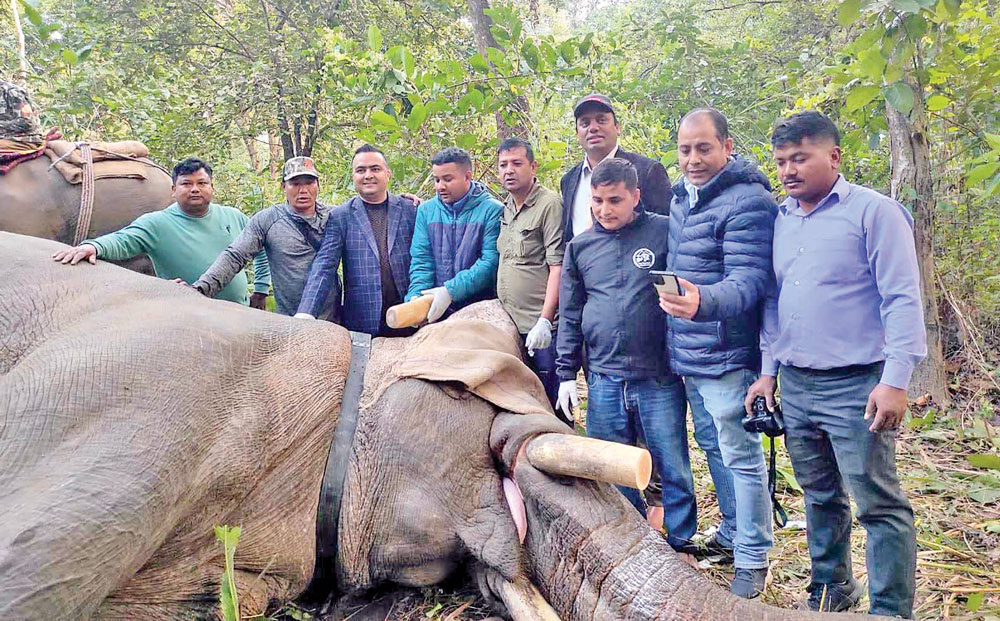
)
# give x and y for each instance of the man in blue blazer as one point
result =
(370, 234)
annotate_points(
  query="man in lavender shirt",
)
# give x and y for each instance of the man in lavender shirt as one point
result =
(844, 327)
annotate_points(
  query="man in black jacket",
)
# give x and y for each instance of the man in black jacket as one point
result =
(607, 300)
(597, 130)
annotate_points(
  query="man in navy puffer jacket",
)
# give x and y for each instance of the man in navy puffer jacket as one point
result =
(721, 225)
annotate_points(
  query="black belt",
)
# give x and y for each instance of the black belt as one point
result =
(848, 370)
(331, 493)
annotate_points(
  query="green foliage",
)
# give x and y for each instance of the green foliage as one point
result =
(229, 602)
(935, 61)
(985, 460)
(247, 84)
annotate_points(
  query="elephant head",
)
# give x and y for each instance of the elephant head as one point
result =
(433, 488)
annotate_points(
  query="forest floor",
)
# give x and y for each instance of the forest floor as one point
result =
(950, 470)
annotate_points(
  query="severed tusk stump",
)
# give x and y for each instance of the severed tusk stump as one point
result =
(410, 313)
(590, 458)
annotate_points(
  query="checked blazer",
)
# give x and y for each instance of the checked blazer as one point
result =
(349, 240)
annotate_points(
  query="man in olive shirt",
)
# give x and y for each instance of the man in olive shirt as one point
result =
(531, 253)
(183, 239)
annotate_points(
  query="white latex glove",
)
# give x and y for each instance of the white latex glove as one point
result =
(540, 336)
(303, 316)
(442, 300)
(568, 398)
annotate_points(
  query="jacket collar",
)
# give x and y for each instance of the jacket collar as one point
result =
(319, 223)
(614, 153)
(471, 198)
(738, 170)
(358, 213)
(529, 200)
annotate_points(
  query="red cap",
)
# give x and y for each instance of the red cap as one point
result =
(594, 99)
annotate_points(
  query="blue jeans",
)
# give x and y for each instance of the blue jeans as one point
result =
(543, 363)
(652, 409)
(741, 482)
(833, 453)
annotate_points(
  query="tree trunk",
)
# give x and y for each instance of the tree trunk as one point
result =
(251, 144)
(284, 127)
(22, 57)
(484, 40)
(274, 146)
(911, 170)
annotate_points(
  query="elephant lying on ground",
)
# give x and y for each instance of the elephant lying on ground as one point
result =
(136, 414)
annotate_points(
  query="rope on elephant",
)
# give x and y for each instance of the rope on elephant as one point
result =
(86, 195)
(126, 159)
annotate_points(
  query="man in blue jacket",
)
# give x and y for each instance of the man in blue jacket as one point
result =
(607, 301)
(454, 251)
(371, 235)
(721, 225)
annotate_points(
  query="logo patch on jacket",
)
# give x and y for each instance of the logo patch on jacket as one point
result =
(643, 258)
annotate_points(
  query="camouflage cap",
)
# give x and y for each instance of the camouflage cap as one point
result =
(299, 167)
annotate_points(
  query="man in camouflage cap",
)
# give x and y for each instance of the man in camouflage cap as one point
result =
(290, 233)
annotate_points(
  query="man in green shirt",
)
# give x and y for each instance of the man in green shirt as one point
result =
(183, 239)
(531, 253)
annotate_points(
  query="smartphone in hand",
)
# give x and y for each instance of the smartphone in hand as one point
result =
(665, 282)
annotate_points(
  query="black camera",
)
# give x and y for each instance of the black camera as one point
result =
(763, 420)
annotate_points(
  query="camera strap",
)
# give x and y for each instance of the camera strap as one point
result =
(780, 517)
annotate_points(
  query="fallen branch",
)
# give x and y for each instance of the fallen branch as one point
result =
(970, 330)
(741, 4)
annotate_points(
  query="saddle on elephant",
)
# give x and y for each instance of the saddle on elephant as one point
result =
(21, 148)
(110, 160)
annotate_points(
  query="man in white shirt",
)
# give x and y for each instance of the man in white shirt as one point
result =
(597, 131)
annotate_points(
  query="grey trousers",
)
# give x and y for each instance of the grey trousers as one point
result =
(833, 453)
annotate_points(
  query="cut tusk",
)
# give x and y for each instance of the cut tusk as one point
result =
(590, 458)
(409, 313)
(525, 603)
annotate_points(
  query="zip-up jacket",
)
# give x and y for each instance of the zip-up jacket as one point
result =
(723, 245)
(607, 301)
(455, 246)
